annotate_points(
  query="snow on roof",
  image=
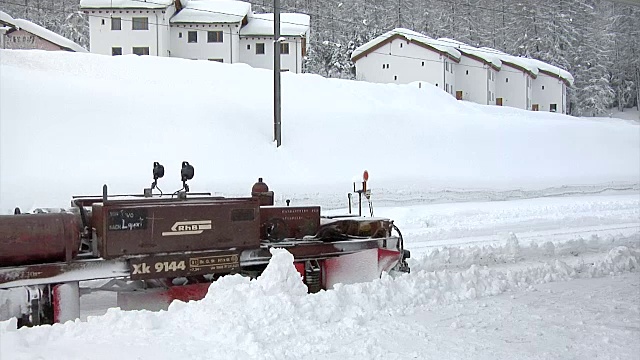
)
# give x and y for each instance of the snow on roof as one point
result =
(410, 35)
(514, 61)
(548, 68)
(212, 11)
(5, 18)
(486, 56)
(291, 24)
(125, 4)
(38, 30)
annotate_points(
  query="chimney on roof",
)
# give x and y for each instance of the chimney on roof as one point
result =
(178, 4)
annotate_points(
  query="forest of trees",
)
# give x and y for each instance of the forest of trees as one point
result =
(598, 41)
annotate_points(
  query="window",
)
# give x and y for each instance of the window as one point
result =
(542, 87)
(140, 23)
(436, 84)
(102, 21)
(284, 48)
(116, 23)
(423, 63)
(214, 36)
(446, 66)
(446, 87)
(180, 35)
(217, 60)
(507, 80)
(553, 107)
(116, 51)
(248, 47)
(141, 50)
(260, 48)
(383, 66)
(400, 44)
(395, 77)
(192, 36)
(467, 72)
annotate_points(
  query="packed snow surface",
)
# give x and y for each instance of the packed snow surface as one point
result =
(117, 115)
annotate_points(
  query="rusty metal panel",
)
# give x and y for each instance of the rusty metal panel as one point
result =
(137, 227)
(289, 221)
(212, 262)
(36, 238)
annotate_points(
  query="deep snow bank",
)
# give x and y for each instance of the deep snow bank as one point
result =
(71, 122)
(273, 317)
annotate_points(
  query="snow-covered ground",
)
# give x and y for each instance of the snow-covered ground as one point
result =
(524, 227)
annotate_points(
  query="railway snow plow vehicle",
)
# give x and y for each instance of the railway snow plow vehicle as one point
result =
(151, 249)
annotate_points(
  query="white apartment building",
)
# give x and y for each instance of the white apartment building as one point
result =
(404, 56)
(218, 30)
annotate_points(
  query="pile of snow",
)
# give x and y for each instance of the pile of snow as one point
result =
(118, 115)
(273, 317)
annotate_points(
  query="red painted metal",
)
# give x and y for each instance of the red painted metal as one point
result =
(66, 302)
(187, 292)
(38, 238)
(387, 259)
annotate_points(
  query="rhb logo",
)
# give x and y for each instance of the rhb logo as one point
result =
(188, 228)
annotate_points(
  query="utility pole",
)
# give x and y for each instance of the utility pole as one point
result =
(277, 113)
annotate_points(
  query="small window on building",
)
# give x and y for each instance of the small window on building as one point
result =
(140, 23)
(553, 107)
(102, 21)
(507, 80)
(383, 66)
(467, 72)
(116, 23)
(542, 87)
(423, 63)
(248, 46)
(284, 48)
(400, 44)
(217, 60)
(116, 51)
(436, 84)
(214, 36)
(446, 66)
(260, 48)
(141, 50)
(180, 35)
(192, 36)
(446, 87)
(395, 77)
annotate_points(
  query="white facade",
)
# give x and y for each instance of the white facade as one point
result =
(550, 87)
(476, 81)
(402, 57)
(549, 93)
(513, 87)
(221, 30)
(251, 53)
(215, 42)
(119, 31)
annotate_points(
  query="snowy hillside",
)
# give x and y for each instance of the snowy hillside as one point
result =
(72, 122)
(524, 227)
